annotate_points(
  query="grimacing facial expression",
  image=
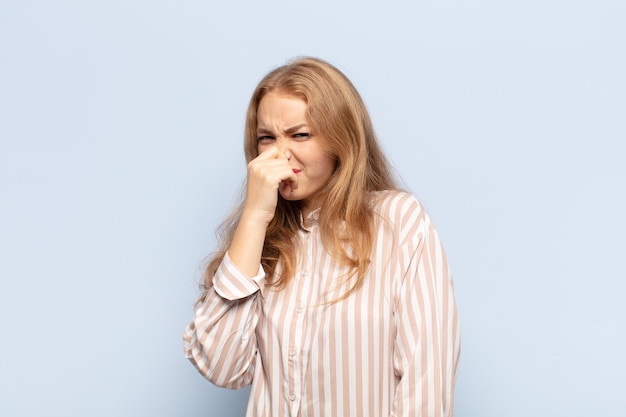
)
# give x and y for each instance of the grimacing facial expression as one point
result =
(282, 122)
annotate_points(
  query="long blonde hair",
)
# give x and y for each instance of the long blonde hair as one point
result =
(336, 110)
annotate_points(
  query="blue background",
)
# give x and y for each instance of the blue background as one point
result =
(120, 152)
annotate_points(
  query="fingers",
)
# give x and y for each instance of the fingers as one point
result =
(273, 165)
(272, 171)
(279, 150)
(271, 153)
(268, 173)
(287, 187)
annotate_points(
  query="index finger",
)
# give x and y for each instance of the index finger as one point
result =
(271, 153)
(274, 152)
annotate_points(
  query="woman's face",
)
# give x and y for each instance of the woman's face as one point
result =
(281, 122)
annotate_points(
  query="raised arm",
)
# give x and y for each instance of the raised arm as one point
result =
(220, 340)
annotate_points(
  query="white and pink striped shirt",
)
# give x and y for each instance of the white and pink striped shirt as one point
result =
(389, 349)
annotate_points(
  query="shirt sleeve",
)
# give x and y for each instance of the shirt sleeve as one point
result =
(427, 342)
(231, 284)
(220, 341)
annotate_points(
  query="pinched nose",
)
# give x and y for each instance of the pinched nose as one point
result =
(283, 149)
(281, 144)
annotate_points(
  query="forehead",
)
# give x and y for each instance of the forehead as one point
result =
(277, 109)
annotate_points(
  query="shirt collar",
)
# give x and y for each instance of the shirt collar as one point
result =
(312, 219)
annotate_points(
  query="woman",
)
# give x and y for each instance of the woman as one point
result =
(330, 293)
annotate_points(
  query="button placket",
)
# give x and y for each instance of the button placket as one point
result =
(294, 354)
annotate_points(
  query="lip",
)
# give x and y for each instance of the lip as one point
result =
(296, 170)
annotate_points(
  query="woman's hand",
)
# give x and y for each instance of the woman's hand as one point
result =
(268, 173)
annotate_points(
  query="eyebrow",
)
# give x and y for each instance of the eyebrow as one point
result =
(288, 131)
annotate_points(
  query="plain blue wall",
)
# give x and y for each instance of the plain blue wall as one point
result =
(120, 152)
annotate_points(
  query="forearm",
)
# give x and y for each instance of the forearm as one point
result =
(247, 245)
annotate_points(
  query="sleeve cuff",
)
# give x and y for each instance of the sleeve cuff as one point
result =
(231, 284)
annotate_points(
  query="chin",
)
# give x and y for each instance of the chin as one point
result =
(292, 197)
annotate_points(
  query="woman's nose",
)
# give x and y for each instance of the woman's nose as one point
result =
(283, 147)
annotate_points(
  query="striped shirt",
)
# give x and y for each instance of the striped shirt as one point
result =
(391, 348)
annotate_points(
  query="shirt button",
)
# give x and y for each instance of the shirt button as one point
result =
(305, 273)
(299, 310)
(292, 353)
(292, 397)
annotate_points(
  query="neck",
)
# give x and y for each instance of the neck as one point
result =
(306, 207)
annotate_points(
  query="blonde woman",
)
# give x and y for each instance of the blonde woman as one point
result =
(331, 292)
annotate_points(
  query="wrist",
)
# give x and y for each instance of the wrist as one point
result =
(259, 218)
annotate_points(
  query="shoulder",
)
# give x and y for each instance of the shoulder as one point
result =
(396, 204)
(401, 211)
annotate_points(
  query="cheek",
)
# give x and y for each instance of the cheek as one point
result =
(330, 162)
(325, 166)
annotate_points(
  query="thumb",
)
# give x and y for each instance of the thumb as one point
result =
(286, 188)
